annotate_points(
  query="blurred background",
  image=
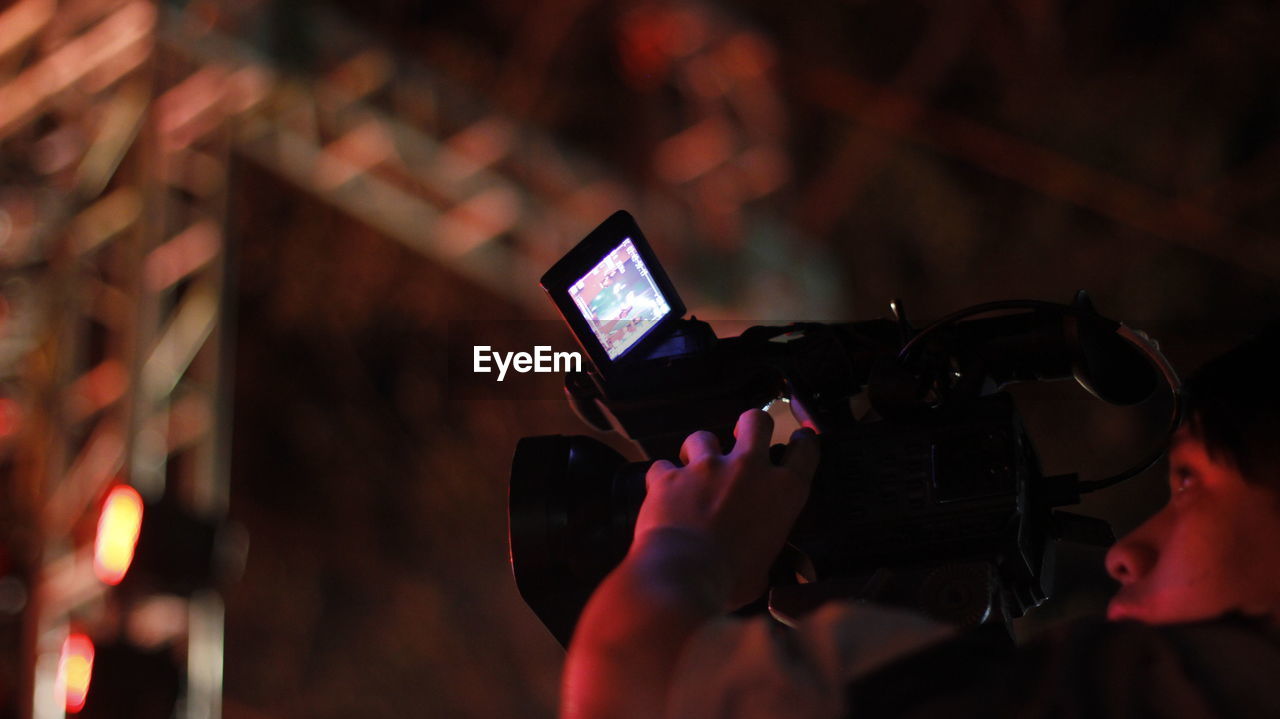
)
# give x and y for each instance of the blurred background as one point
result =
(235, 236)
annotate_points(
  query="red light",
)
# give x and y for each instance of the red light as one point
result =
(75, 669)
(118, 528)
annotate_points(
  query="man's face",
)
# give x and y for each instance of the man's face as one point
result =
(1214, 548)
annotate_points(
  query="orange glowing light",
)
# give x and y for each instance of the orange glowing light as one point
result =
(75, 668)
(118, 528)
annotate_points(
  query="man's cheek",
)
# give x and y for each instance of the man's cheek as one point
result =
(1199, 564)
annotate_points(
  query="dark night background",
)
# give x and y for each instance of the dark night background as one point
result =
(943, 153)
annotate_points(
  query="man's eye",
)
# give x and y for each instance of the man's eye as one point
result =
(1183, 480)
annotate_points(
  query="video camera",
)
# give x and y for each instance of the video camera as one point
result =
(928, 494)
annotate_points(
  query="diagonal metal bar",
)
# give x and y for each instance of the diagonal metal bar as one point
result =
(1053, 174)
(26, 94)
(20, 22)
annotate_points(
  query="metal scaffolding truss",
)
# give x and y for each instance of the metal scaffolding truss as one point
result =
(114, 262)
(436, 167)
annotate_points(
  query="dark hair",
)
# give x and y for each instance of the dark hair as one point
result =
(1233, 406)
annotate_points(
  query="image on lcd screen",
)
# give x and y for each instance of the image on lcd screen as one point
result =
(619, 299)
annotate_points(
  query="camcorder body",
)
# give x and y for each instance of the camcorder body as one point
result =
(928, 493)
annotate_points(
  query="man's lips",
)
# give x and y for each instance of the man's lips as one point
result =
(1118, 611)
(1153, 606)
(1126, 604)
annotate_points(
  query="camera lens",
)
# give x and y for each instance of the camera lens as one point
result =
(572, 505)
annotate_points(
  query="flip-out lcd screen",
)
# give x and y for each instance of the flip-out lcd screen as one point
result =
(619, 299)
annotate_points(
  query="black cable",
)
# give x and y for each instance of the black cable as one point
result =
(983, 309)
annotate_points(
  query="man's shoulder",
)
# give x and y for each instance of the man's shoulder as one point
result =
(1223, 667)
(1227, 644)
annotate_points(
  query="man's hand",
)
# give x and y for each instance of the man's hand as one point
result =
(705, 538)
(740, 503)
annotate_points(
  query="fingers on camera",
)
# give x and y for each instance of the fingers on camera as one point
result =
(802, 453)
(752, 433)
(657, 471)
(700, 446)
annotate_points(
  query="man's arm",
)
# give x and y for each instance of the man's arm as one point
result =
(705, 538)
(631, 632)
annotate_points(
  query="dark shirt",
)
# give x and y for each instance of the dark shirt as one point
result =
(1228, 667)
(856, 660)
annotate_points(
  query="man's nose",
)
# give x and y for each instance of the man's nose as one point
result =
(1131, 558)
